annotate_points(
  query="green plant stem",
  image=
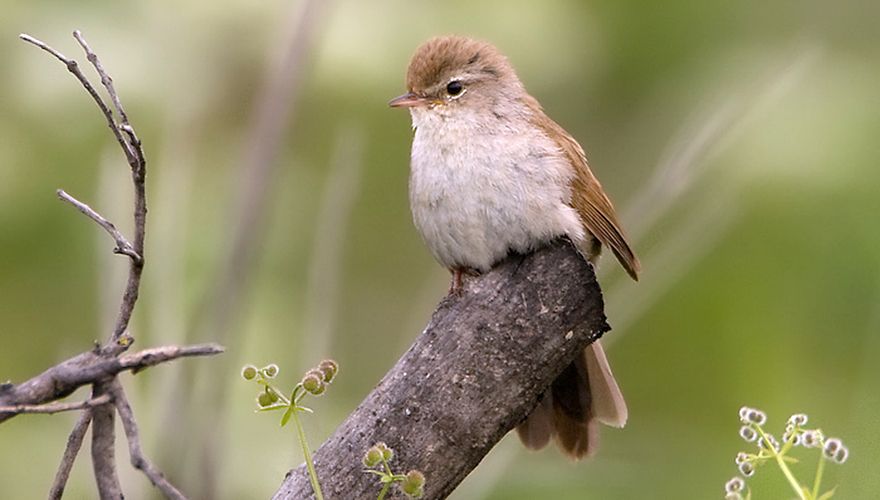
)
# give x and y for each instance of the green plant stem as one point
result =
(387, 467)
(313, 476)
(783, 466)
(818, 481)
(384, 491)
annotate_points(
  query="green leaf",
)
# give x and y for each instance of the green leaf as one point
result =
(286, 417)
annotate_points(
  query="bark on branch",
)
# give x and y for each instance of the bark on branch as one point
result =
(87, 368)
(473, 374)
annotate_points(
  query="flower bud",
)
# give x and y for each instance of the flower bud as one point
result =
(747, 433)
(756, 417)
(270, 370)
(798, 419)
(414, 483)
(735, 485)
(373, 457)
(265, 399)
(831, 447)
(248, 372)
(811, 439)
(329, 368)
(387, 452)
(313, 384)
(747, 469)
(314, 372)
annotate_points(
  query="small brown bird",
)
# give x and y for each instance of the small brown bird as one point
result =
(491, 173)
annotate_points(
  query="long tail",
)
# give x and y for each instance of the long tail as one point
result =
(584, 394)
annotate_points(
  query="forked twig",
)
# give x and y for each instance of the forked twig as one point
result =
(122, 245)
(88, 368)
(100, 366)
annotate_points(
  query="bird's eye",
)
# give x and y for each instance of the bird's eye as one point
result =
(454, 88)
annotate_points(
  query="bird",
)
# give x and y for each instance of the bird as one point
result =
(491, 174)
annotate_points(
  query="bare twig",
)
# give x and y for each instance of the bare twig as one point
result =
(101, 366)
(133, 150)
(151, 357)
(73, 67)
(134, 143)
(103, 446)
(106, 80)
(138, 459)
(122, 245)
(89, 368)
(74, 443)
(52, 408)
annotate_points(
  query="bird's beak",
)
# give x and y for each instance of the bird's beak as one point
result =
(408, 100)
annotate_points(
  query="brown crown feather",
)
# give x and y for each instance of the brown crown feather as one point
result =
(436, 60)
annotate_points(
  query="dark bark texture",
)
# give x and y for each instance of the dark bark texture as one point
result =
(473, 374)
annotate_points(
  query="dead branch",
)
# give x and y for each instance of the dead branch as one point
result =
(473, 374)
(100, 367)
(74, 443)
(52, 408)
(122, 245)
(138, 459)
(88, 368)
(104, 446)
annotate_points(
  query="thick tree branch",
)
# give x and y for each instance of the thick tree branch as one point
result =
(473, 374)
(87, 368)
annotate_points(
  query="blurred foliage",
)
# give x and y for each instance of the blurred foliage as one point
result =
(762, 265)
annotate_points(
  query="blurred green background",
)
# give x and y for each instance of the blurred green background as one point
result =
(739, 140)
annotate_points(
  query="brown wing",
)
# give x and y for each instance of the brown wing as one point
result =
(588, 197)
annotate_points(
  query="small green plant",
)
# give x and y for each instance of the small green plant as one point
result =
(412, 484)
(314, 382)
(770, 450)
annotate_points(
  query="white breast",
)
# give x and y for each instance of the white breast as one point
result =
(479, 190)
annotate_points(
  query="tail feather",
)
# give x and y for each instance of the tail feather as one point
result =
(576, 439)
(584, 394)
(608, 404)
(535, 432)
